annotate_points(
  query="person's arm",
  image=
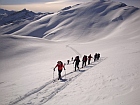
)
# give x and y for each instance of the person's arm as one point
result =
(55, 67)
(74, 61)
(64, 67)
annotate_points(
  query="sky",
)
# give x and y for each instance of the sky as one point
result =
(49, 5)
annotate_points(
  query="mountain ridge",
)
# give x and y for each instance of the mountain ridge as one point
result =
(13, 16)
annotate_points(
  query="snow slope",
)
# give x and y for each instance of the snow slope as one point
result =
(80, 20)
(26, 65)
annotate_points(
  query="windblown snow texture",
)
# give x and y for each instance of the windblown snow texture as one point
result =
(30, 49)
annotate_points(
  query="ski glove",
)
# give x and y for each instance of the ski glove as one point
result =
(54, 69)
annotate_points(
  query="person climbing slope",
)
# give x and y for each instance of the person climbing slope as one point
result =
(60, 68)
(76, 60)
(84, 61)
(89, 59)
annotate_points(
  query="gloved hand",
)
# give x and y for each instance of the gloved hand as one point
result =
(54, 69)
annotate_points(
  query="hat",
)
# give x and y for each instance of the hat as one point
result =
(59, 62)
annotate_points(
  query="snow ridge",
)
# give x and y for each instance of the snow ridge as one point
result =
(75, 22)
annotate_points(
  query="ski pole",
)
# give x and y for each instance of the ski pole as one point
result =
(73, 65)
(65, 74)
(65, 70)
(53, 74)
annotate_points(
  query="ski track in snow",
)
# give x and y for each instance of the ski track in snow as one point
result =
(74, 50)
(44, 93)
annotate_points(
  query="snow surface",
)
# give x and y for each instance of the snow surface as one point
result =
(26, 65)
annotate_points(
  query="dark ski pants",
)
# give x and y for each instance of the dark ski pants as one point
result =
(88, 61)
(84, 63)
(76, 66)
(59, 74)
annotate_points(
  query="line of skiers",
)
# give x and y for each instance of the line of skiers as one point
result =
(85, 58)
(96, 56)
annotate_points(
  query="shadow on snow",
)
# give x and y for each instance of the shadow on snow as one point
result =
(69, 77)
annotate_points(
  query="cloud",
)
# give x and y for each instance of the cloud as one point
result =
(33, 7)
(21, 2)
(40, 7)
(48, 5)
(55, 2)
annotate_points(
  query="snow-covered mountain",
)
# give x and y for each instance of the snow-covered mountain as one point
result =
(12, 21)
(4, 13)
(105, 27)
(88, 18)
(14, 16)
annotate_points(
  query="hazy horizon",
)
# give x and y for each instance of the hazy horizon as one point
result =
(50, 5)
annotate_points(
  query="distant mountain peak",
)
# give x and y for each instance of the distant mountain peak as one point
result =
(7, 17)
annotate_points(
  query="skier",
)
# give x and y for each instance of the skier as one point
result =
(84, 61)
(68, 61)
(72, 59)
(95, 57)
(76, 60)
(98, 56)
(89, 59)
(60, 67)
